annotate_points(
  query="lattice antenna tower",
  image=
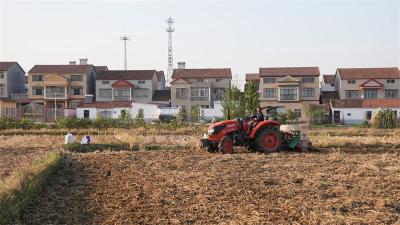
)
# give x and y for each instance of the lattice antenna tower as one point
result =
(170, 29)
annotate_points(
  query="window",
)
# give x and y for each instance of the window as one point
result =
(199, 94)
(348, 114)
(105, 93)
(390, 81)
(352, 94)
(269, 92)
(37, 77)
(332, 85)
(219, 94)
(297, 113)
(351, 81)
(86, 114)
(1, 74)
(370, 93)
(105, 114)
(76, 91)
(368, 115)
(76, 78)
(37, 91)
(122, 94)
(74, 104)
(9, 112)
(392, 93)
(181, 93)
(218, 80)
(1, 89)
(141, 82)
(288, 94)
(307, 80)
(308, 92)
(138, 92)
(200, 80)
(268, 80)
(105, 82)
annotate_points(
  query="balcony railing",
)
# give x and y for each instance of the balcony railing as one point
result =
(57, 95)
(122, 98)
(19, 96)
(199, 98)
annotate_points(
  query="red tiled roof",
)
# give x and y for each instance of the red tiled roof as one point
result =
(107, 105)
(202, 73)
(122, 83)
(160, 75)
(61, 69)
(100, 68)
(6, 65)
(126, 75)
(252, 76)
(369, 73)
(289, 71)
(366, 103)
(329, 79)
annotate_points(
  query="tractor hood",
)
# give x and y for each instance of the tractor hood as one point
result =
(217, 130)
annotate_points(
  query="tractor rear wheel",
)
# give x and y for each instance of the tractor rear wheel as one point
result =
(226, 145)
(268, 140)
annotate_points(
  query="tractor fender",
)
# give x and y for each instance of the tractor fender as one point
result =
(262, 124)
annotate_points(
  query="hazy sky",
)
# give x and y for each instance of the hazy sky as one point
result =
(243, 35)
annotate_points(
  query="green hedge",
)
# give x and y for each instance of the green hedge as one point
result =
(18, 190)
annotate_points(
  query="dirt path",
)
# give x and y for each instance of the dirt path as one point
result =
(189, 187)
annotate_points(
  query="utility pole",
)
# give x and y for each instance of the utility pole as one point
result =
(125, 38)
(170, 30)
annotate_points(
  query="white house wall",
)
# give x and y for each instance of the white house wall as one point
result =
(115, 112)
(150, 112)
(356, 115)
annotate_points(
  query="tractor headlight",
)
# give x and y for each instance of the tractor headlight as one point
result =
(211, 131)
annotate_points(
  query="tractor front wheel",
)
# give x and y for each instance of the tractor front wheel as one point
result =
(226, 145)
(268, 140)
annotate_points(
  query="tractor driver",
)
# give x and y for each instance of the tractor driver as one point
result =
(255, 119)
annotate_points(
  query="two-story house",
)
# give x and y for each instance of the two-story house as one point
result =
(289, 88)
(368, 83)
(199, 87)
(12, 79)
(54, 88)
(12, 83)
(254, 77)
(126, 85)
(363, 90)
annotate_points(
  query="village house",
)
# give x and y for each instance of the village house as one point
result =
(56, 88)
(12, 79)
(126, 85)
(368, 83)
(199, 87)
(12, 84)
(289, 88)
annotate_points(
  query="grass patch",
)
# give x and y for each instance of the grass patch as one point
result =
(19, 189)
(97, 147)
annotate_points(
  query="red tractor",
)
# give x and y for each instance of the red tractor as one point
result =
(264, 137)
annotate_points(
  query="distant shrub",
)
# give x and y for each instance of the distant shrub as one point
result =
(385, 118)
(7, 123)
(282, 117)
